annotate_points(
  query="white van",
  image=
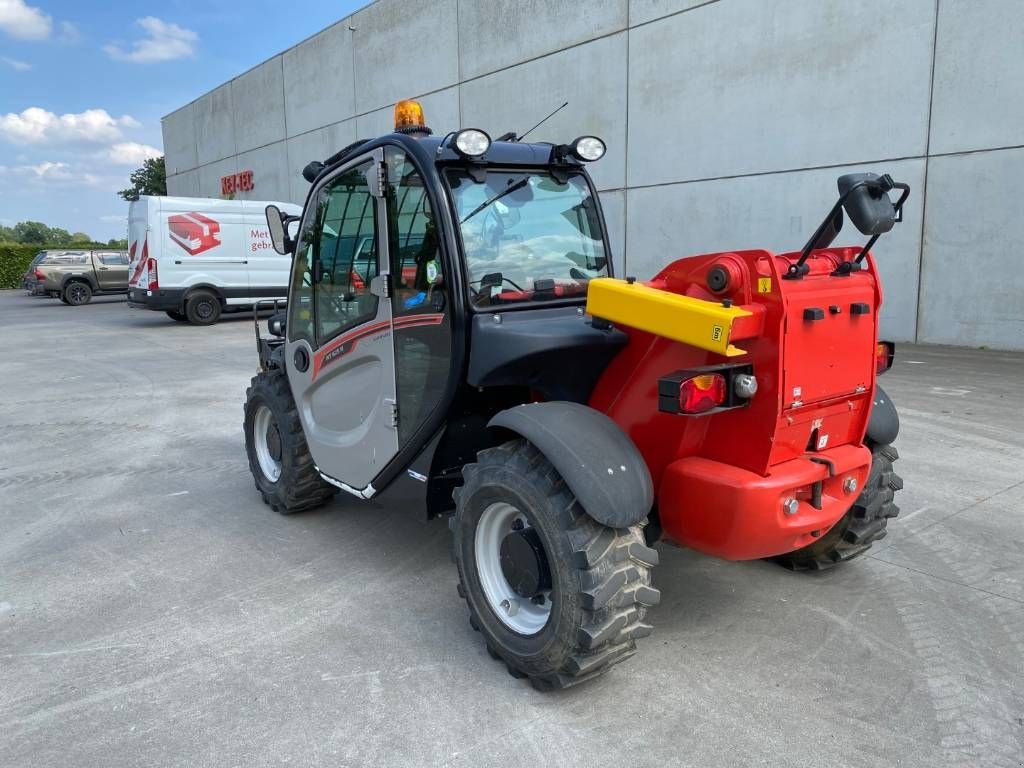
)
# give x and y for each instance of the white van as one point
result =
(194, 257)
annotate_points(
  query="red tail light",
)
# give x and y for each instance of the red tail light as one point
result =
(885, 351)
(702, 393)
(154, 282)
(39, 275)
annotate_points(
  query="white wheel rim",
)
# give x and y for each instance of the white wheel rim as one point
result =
(261, 425)
(518, 613)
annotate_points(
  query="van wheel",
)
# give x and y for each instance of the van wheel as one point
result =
(175, 315)
(77, 293)
(279, 456)
(202, 308)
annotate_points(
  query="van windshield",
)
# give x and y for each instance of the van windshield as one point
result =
(528, 236)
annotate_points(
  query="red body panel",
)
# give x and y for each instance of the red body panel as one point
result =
(720, 479)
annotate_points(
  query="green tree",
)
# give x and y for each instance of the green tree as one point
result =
(7, 235)
(80, 237)
(115, 243)
(32, 233)
(59, 236)
(150, 179)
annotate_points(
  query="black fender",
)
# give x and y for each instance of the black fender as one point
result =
(884, 422)
(597, 460)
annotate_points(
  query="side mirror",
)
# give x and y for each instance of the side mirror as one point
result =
(865, 197)
(276, 224)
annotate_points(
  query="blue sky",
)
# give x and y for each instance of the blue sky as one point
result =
(84, 83)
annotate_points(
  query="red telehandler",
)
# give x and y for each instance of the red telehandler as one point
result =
(455, 339)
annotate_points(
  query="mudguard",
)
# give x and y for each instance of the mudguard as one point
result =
(884, 422)
(597, 460)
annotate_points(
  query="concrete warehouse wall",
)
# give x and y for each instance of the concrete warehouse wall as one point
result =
(727, 124)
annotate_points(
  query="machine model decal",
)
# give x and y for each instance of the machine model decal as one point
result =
(194, 232)
(345, 343)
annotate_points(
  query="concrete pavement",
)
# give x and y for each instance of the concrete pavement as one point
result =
(154, 612)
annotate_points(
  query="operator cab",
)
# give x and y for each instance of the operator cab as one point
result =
(430, 271)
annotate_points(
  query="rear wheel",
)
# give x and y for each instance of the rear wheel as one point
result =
(279, 457)
(558, 597)
(62, 299)
(175, 315)
(202, 308)
(863, 525)
(77, 293)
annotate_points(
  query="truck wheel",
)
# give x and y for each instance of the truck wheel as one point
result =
(202, 308)
(176, 315)
(557, 596)
(863, 525)
(77, 293)
(279, 458)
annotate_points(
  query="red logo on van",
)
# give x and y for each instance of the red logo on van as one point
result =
(194, 232)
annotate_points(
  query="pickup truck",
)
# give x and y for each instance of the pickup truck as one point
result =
(76, 276)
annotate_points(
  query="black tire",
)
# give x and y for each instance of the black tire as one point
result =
(600, 577)
(76, 293)
(299, 486)
(63, 300)
(176, 315)
(863, 525)
(202, 308)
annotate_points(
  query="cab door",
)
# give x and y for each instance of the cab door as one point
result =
(341, 358)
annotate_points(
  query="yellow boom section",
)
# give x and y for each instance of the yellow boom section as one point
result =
(703, 324)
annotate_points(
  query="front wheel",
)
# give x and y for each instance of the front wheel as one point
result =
(859, 528)
(279, 457)
(558, 597)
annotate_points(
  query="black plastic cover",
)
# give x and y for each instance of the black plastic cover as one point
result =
(555, 351)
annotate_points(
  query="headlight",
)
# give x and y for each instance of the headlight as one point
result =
(588, 148)
(472, 142)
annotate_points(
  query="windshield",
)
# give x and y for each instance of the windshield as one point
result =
(528, 236)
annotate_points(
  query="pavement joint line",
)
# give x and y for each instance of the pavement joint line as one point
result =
(947, 581)
(959, 511)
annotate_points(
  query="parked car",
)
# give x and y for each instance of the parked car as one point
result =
(76, 276)
(194, 258)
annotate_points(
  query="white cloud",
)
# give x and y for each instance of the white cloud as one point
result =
(24, 22)
(164, 41)
(48, 172)
(131, 153)
(17, 66)
(39, 126)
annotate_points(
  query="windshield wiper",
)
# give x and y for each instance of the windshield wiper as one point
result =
(495, 198)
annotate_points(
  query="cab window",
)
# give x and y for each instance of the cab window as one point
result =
(422, 331)
(336, 259)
